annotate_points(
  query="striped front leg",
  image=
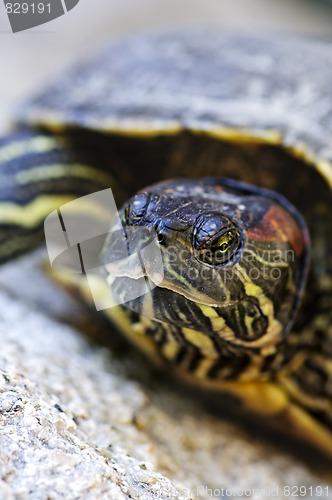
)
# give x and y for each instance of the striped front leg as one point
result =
(39, 173)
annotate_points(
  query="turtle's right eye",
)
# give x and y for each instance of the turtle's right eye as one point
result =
(137, 208)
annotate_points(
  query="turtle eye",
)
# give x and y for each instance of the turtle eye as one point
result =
(216, 239)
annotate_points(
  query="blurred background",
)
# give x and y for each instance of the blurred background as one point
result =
(29, 58)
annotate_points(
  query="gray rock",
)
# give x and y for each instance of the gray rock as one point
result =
(81, 420)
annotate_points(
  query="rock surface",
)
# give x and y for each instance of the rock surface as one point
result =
(85, 419)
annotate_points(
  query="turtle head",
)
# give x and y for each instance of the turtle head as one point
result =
(232, 258)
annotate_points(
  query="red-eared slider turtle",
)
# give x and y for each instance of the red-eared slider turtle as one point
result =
(242, 125)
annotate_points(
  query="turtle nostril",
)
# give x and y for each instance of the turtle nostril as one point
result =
(160, 238)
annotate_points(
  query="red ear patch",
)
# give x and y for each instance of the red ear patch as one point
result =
(279, 224)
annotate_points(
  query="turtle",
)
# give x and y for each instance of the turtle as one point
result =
(217, 149)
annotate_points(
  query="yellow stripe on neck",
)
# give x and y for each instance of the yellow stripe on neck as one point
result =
(58, 170)
(37, 144)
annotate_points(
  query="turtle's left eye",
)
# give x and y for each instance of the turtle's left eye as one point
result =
(216, 239)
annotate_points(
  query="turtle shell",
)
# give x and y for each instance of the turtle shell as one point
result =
(201, 102)
(204, 103)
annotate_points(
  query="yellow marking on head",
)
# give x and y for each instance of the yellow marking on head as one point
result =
(187, 290)
(272, 337)
(252, 289)
(32, 213)
(218, 323)
(202, 341)
(208, 311)
(269, 263)
(266, 305)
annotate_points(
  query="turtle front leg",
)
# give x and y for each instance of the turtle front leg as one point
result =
(40, 173)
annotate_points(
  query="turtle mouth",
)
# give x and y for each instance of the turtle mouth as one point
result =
(193, 295)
